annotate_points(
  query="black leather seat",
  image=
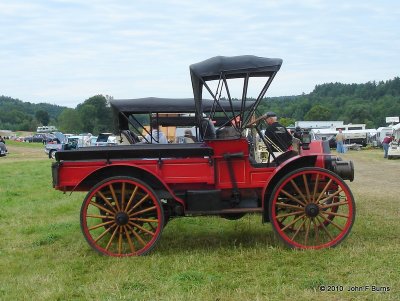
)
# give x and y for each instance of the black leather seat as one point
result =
(208, 129)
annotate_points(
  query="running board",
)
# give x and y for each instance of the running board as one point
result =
(225, 211)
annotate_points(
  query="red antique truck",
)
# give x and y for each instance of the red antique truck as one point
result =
(134, 189)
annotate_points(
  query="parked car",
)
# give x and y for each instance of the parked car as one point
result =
(61, 142)
(105, 139)
(3, 149)
(35, 138)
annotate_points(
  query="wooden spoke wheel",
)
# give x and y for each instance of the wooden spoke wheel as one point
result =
(312, 208)
(122, 216)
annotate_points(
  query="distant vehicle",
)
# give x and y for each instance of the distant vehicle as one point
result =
(3, 149)
(61, 142)
(358, 136)
(105, 139)
(36, 138)
(394, 148)
(46, 129)
(382, 132)
(93, 140)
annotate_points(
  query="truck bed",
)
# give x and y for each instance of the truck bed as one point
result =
(145, 151)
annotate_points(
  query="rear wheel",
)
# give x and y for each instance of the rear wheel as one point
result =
(312, 208)
(52, 154)
(122, 216)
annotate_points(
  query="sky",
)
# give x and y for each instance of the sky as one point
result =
(63, 52)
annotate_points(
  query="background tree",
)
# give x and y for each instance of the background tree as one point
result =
(96, 115)
(70, 121)
(43, 117)
(318, 113)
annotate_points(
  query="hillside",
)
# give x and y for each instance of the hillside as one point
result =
(18, 115)
(367, 103)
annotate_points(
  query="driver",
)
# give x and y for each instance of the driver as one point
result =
(276, 133)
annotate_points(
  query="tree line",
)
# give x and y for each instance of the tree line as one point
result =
(367, 103)
(92, 116)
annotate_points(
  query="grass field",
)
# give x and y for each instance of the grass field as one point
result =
(43, 255)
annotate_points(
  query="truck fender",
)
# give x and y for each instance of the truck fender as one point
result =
(148, 176)
(293, 163)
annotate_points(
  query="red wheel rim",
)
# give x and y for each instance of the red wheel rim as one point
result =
(312, 209)
(122, 217)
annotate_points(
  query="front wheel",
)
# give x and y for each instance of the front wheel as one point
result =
(122, 216)
(312, 208)
(52, 154)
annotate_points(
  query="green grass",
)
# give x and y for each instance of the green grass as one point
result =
(43, 255)
(24, 144)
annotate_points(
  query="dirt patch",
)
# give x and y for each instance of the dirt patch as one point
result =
(375, 176)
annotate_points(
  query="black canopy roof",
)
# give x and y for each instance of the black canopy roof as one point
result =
(234, 66)
(167, 105)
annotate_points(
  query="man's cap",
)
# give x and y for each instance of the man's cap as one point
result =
(270, 114)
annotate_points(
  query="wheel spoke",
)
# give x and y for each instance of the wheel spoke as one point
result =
(120, 240)
(137, 235)
(293, 198)
(335, 214)
(331, 222)
(292, 222)
(316, 229)
(325, 200)
(143, 211)
(104, 233)
(307, 231)
(123, 196)
(111, 238)
(325, 229)
(148, 220)
(131, 198)
(299, 191)
(288, 206)
(141, 228)
(128, 237)
(151, 226)
(334, 205)
(102, 208)
(324, 190)
(298, 229)
(138, 203)
(315, 188)
(107, 202)
(114, 196)
(307, 188)
(101, 225)
(99, 216)
(289, 214)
